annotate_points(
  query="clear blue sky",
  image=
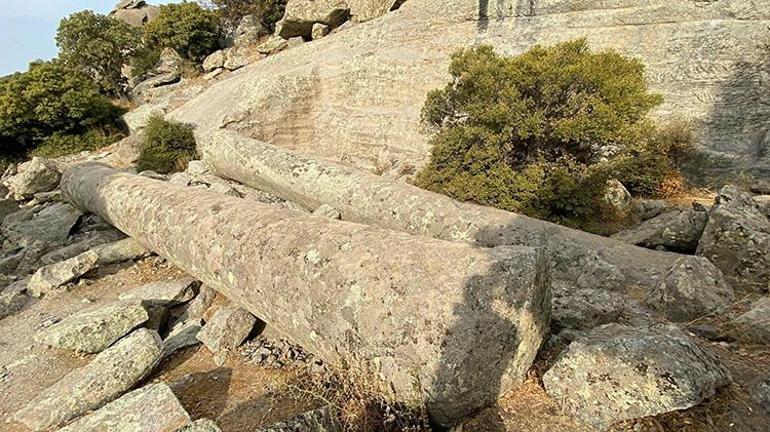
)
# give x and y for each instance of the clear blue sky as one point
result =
(28, 28)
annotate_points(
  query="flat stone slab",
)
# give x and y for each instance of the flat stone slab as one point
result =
(226, 331)
(122, 250)
(152, 408)
(617, 373)
(111, 373)
(165, 293)
(94, 330)
(51, 224)
(51, 277)
(183, 335)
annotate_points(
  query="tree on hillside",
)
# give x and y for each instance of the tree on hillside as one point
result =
(99, 46)
(50, 98)
(189, 29)
(267, 11)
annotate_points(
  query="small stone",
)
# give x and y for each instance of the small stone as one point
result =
(198, 168)
(618, 373)
(183, 335)
(273, 45)
(152, 408)
(37, 175)
(107, 376)
(227, 330)
(215, 60)
(51, 277)
(319, 30)
(180, 178)
(202, 425)
(325, 210)
(617, 196)
(754, 325)
(236, 57)
(164, 293)
(94, 330)
(197, 307)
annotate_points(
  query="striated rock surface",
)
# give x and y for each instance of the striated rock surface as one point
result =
(152, 408)
(107, 376)
(51, 277)
(433, 313)
(705, 57)
(94, 330)
(616, 373)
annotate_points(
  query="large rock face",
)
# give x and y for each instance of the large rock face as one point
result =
(356, 96)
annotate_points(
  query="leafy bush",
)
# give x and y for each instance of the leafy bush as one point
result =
(532, 133)
(144, 60)
(60, 144)
(168, 146)
(189, 29)
(50, 98)
(99, 46)
(267, 11)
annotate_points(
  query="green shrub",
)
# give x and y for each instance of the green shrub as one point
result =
(530, 133)
(50, 98)
(59, 144)
(98, 46)
(144, 60)
(267, 11)
(189, 29)
(168, 146)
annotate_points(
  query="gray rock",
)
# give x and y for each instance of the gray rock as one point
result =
(300, 16)
(11, 260)
(764, 203)
(152, 408)
(682, 297)
(676, 231)
(236, 57)
(183, 335)
(202, 425)
(107, 376)
(754, 325)
(163, 293)
(122, 250)
(157, 317)
(319, 420)
(645, 209)
(214, 60)
(597, 273)
(46, 197)
(617, 196)
(91, 241)
(319, 30)
(196, 308)
(153, 175)
(586, 308)
(181, 178)
(760, 392)
(616, 373)
(94, 330)
(51, 277)
(7, 206)
(737, 240)
(249, 31)
(37, 175)
(13, 298)
(226, 331)
(51, 224)
(325, 210)
(197, 168)
(273, 45)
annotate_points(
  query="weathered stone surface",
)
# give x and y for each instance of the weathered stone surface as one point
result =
(319, 420)
(11, 260)
(381, 72)
(764, 203)
(214, 61)
(92, 241)
(273, 45)
(13, 298)
(367, 198)
(50, 224)
(107, 376)
(617, 373)
(584, 309)
(682, 297)
(183, 335)
(325, 210)
(319, 30)
(152, 408)
(202, 425)
(300, 16)
(226, 331)
(760, 392)
(737, 240)
(37, 175)
(676, 231)
(135, 13)
(94, 330)
(236, 57)
(122, 250)
(198, 306)
(754, 325)
(164, 293)
(53, 276)
(7, 206)
(617, 196)
(434, 313)
(249, 31)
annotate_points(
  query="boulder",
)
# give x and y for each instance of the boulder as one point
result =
(215, 60)
(319, 420)
(226, 331)
(683, 297)
(49, 278)
(135, 13)
(327, 211)
(319, 30)
(584, 309)
(167, 71)
(346, 291)
(94, 330)
(617, 197)
(11, 260)
(13, 298)
(300, 16)
(50, 224)
(737, 240)
(617, 373)
(152, 408)
(37, 175)
(236, 57)
(111, 373)
(249, 31)
(163, 293)
(754, 325)
(273, 45)
(127, 249)
(676, 231)
(202, 425)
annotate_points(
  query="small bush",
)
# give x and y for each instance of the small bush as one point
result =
(144, 60)
(66, 144)
(98, 46)
(189, 29)
(168, 146)
(51, 98)
(267, 11)
(542, 132)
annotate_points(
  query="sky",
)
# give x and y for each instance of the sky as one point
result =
(28, 28)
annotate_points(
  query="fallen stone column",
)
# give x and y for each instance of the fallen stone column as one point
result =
(363, 197)
(446, 323)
